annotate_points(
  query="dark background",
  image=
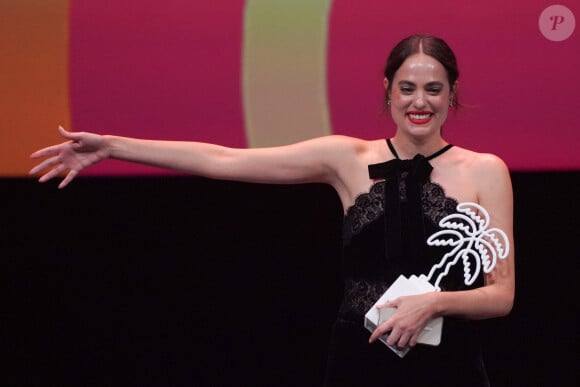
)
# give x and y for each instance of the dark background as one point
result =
(183, 281)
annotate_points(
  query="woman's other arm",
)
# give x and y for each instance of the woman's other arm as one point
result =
(494, 299)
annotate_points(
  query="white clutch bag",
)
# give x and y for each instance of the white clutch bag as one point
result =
(404, 286)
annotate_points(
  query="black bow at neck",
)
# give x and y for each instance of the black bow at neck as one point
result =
(418, 167)
(404, 180)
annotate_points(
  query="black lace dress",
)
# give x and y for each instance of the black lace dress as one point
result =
(376, 250)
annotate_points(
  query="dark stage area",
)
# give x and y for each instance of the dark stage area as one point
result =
(183, 281)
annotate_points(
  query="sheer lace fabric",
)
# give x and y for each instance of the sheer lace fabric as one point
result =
(361, 291)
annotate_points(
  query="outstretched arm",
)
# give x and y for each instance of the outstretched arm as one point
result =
(316, 160)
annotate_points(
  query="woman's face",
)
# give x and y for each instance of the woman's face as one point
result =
(420, 95)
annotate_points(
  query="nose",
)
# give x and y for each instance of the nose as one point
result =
(419, 100)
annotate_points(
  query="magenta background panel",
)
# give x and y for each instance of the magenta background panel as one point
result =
(172, 70)
(155, 69)
(519, 89)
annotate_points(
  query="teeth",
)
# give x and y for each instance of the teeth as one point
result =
(419, 116)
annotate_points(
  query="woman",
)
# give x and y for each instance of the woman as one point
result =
(393, 199)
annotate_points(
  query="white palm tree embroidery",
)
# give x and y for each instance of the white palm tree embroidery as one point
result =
(472, 241)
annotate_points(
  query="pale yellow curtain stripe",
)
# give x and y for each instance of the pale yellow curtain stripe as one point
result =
(284, 71)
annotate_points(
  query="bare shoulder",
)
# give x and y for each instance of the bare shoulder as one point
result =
(488, 173)
(491, 171)
(481, 165)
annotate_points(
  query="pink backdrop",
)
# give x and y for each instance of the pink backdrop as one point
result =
(157, 70)
(172, 70)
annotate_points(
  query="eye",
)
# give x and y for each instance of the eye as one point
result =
(434, 90)
(407, 89)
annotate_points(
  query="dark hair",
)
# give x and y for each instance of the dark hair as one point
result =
(429, 45)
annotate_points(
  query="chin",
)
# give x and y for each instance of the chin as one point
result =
(421, 130)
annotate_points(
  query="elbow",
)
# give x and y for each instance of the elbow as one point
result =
(505, 305)
(500, 303)
(506, 310)
(501, 297)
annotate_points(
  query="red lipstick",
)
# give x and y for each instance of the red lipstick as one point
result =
(419, 118)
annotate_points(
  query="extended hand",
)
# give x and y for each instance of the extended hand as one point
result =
(407, 323)
(80, 151)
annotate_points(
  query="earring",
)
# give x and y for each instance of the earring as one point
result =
(388, 102)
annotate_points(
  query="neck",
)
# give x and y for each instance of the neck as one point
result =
(407, 148)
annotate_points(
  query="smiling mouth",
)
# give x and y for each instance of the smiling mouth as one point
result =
(419, 117)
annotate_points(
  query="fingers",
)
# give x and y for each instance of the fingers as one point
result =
(64, 133)
(54, 149)
(389, 304)
(60, 168)
(52, 173)
(381, 330)
(396, 337)
(48, 163)
(55, 172)
(48, 151)
(378, 334)
(69, 177)
(55, 160)
(414, 339)
(69, 135)
(400, 340)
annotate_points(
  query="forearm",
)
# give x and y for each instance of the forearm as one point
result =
(191, 157)
(481, 303)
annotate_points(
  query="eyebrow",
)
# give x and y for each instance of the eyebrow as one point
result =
(429, 84)
(406, 83)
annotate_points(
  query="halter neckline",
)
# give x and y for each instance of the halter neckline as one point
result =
(438, 153)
